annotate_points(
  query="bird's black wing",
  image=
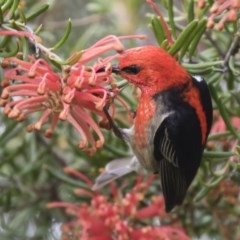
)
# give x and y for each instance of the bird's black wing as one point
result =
(178, 150)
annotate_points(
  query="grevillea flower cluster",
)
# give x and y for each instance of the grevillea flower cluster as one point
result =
(225, 10)
(120, 217)
(74, 94)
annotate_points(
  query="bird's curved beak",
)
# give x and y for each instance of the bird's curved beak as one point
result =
(102, 69)
(116, 69)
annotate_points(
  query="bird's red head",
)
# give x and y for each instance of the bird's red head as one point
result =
(151, 68)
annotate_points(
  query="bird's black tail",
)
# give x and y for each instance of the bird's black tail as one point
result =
(174, 186)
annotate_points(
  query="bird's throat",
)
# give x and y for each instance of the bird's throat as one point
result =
(145, 112)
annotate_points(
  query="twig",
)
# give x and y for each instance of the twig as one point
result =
(117, 131)
(39, 46)
(231, 51)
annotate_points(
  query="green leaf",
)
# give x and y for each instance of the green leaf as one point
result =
(207, 187)
(217, 136)
(170, 6)
(65, 36)
(6, 6)
(158, 30)
(14, 50)
(198, 34)
(5, 41)
(38, 29)
(13, 8)
(70, 61)
(24, 46)
(36, 11)
(201, 67)
(22, 16)
(1, 16)
(214, 78)
(213, 154)
(235, 69)
(190, 11)
(183, 38)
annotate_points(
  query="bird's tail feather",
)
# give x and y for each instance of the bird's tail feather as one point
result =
(116, 169)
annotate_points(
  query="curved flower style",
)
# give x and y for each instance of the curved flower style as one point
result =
(123, 217)
(74, 95)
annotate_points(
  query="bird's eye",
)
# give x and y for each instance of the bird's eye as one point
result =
(132, 69)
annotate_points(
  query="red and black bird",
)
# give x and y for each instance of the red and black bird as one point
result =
(172, 121)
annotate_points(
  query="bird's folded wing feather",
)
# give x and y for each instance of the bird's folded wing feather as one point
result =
(172, 179)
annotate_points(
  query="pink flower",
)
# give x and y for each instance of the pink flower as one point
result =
(75, 94)
(226, 9)
(220, 126)
(123, 216)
